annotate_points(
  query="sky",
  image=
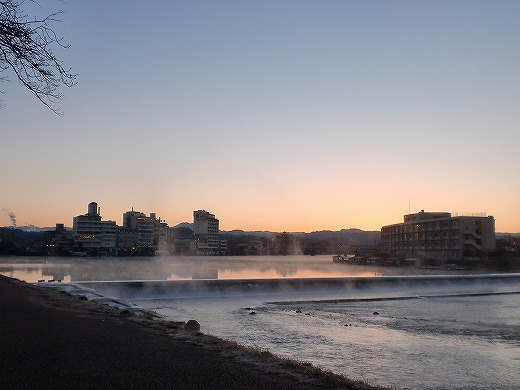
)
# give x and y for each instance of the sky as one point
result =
(272, 115)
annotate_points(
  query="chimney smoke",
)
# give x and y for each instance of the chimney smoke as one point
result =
(11, 215)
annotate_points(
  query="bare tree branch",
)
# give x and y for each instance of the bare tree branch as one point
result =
(26, 49)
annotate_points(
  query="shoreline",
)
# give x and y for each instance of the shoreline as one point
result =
(60, 340)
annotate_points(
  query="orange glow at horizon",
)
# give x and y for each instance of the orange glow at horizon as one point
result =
(274, 221)
(332, 207)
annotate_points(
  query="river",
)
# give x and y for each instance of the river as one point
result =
(400, 327)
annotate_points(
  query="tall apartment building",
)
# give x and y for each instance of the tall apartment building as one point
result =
(440, 236)
(206, 232)
(141, 232)
(160, 233)
(91, 234)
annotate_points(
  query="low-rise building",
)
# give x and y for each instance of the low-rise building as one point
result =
(440, 236)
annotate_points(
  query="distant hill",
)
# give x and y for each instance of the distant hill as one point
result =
(507, 235)
(351, 236)
(181, 232)
(32, 228)
(262, 234)
(358, 236)
(184, 225)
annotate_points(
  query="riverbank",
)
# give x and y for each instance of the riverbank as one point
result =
(54, 340)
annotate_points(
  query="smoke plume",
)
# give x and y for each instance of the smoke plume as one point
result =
(11, 215)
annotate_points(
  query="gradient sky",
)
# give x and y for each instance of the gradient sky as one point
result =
(273, 115)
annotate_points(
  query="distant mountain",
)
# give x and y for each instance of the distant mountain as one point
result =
(181, 232)
(506, 235)
(263, 234)
(353, 236)
(184, 225)
(32, 228)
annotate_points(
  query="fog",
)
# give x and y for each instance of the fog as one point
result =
(354, 320)
(197, 276)
(190, 267)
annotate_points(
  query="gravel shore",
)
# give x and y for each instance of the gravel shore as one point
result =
(49, 339)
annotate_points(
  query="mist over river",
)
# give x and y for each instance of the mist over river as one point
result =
(401, 327)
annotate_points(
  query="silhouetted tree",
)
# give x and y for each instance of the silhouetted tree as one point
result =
(26, 49)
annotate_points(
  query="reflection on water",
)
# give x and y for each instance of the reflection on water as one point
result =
(33, 273)
(187, 267)
(273, 273)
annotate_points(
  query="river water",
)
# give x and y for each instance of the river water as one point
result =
(400, 327)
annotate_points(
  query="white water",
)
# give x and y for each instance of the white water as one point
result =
(430, 340)
(438, 342)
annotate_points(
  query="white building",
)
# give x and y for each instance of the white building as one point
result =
(141, 232)
(206, 232)
(91, 234)
(440, 236)
(160, 233)
(142, 226)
